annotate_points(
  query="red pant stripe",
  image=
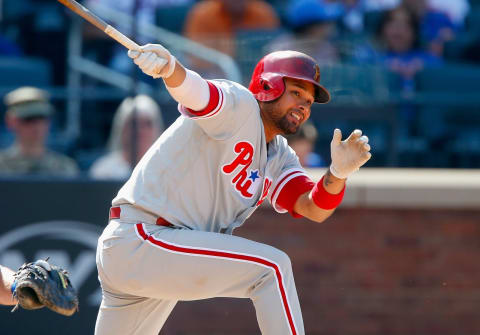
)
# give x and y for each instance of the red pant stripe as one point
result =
(228, 255)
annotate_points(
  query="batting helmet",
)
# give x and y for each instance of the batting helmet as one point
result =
(267, 80)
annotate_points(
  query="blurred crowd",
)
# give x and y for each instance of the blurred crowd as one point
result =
(403, 39)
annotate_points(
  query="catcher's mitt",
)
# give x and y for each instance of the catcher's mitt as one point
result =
(40, 284)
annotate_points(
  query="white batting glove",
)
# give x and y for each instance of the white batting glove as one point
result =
(154, 60)
(349, 155)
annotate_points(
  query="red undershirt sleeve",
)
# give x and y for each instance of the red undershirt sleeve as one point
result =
(288, 190)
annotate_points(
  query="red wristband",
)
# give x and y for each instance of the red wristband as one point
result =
(326, 200)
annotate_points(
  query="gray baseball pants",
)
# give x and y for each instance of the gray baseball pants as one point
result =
(144, 269)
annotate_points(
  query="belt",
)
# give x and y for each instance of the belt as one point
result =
(115, 214)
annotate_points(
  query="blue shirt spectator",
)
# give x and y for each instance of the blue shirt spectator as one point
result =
(408, 63)
(402, 53)
(436, 27)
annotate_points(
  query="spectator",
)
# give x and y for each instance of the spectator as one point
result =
(117, 164)
(303, 143)
(456, 10)
(313, 24)
(399, 38)
(28, 117)
(436, 28)
(214, 23)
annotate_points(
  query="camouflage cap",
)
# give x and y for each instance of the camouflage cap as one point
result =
(25, 102)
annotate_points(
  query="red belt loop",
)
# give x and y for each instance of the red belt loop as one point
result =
(115, 214)
(162, 222)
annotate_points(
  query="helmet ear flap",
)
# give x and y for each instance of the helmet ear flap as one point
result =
(270, 87)
(265, 85)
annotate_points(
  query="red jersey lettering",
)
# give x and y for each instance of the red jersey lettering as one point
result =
(240, 184)
(245, 155)
(266, 187)
(244, 158)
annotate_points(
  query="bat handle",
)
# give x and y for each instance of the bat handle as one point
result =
(122, 39)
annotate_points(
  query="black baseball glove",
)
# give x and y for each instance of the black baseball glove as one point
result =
(40, 284)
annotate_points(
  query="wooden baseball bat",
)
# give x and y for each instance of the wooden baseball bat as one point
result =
(100, 24)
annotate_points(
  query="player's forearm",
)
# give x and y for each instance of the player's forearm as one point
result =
(6, 281)
(310, 204)
(332, 184)
(177, 77)
(313, 212)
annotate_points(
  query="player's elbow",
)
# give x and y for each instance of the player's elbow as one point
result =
(322, 217)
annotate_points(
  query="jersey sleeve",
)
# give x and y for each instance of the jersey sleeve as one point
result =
(228, 108)
(291, 182)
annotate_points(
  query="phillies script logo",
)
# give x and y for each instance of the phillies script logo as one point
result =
(243, 179)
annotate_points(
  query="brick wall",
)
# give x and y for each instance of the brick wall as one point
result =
(363, 271)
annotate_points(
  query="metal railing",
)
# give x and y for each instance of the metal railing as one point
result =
(172, 40)
(79, 65)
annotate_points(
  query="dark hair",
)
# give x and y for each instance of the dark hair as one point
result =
(412, 18)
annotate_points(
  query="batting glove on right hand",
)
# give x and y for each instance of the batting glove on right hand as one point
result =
(154, 60)
(349, 155)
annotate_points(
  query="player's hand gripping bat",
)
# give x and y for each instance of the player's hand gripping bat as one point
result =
(100, 24)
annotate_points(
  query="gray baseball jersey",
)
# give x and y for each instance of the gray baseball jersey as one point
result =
(211, 172)
(206, 175)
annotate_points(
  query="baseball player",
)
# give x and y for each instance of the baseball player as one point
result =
(169, 237)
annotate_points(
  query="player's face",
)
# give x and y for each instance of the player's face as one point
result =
(292, 109)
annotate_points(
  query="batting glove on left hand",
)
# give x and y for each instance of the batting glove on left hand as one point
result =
(154, 60)
(349, 155)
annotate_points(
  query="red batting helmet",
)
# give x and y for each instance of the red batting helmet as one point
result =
(267, 80)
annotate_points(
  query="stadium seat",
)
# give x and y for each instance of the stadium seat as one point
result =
(172, 18)
(357, 84)
(360, 99)
(372, 21)
(472, 20)
(461, 77)
(14, 10)
(449, 115)
(454, 50)
(24, 71)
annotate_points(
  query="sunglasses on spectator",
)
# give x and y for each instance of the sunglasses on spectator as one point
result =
(32, 119)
